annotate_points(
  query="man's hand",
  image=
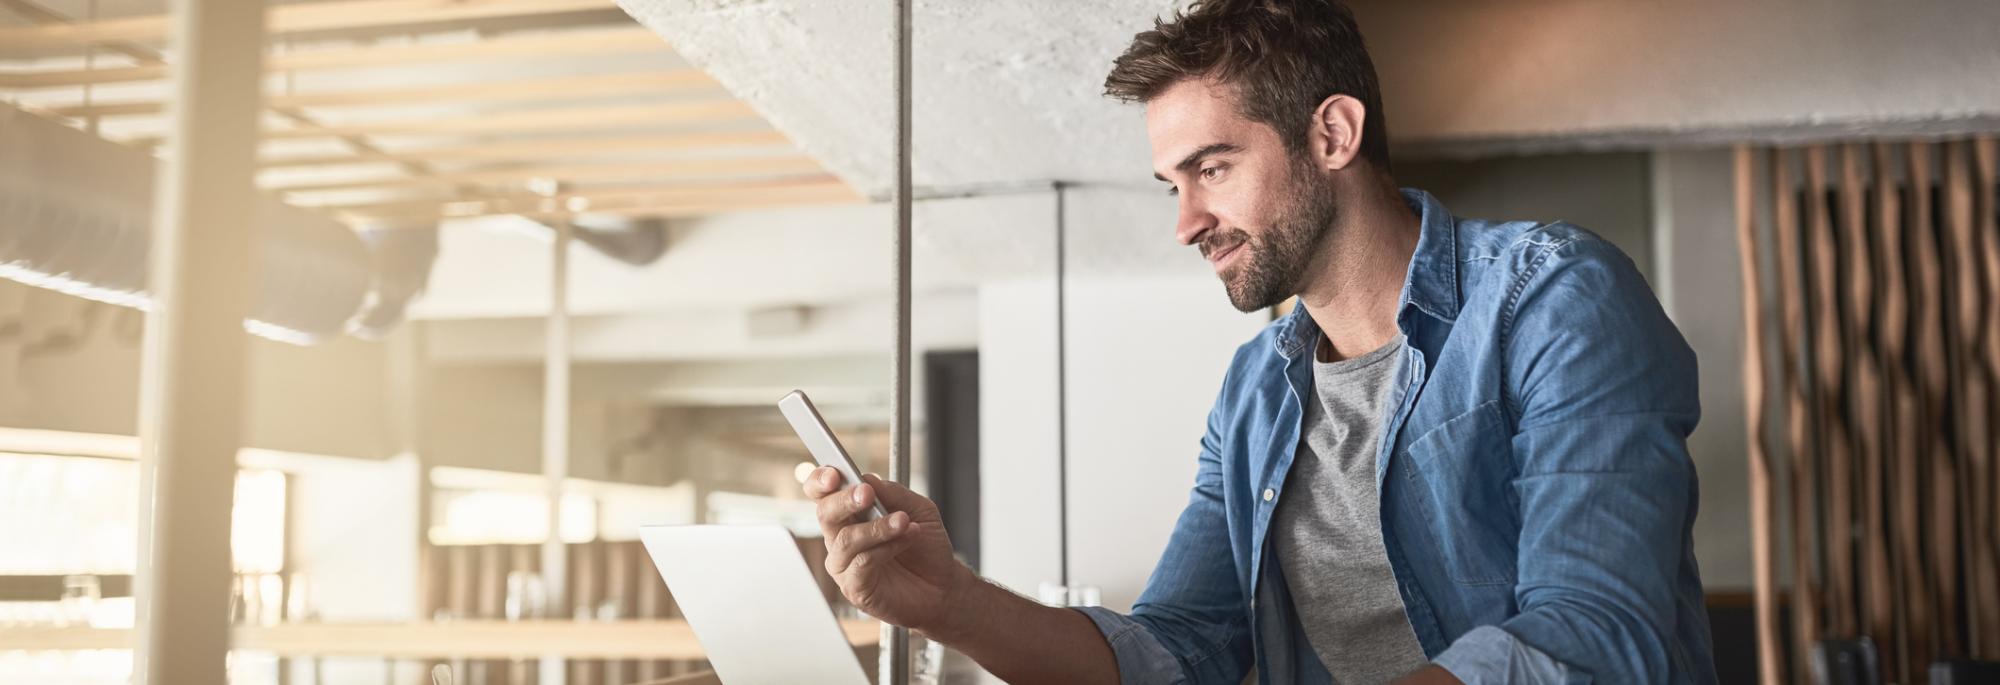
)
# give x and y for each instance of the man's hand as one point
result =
(897, 568)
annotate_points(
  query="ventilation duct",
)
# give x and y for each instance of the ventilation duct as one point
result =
(403, 256)
(76, 213)
(634, 241)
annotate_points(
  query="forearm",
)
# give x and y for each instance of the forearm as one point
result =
(1023, 641)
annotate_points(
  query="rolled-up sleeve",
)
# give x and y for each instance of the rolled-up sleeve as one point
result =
(1141, 659)
(1491, 656)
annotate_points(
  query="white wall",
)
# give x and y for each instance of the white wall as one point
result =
(1698, 279)
(354, 530)
(1146, 358)
(1017, 434)
(1147, 362)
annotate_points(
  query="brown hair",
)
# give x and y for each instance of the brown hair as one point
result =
(1284, 57)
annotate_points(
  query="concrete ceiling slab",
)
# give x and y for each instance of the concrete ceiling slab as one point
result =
(1006, 92)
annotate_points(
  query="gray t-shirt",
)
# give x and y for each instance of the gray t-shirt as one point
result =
(1328, 529)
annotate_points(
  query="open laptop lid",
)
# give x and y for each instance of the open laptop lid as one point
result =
(754, 605)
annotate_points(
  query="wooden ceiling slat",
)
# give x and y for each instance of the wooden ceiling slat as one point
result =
(808, 187)
(296, 18)
(542, 148)
(621, 40)
(664, 199)
(524, 121)
(735, 166)
(558, 88)
(537, 142)
(714, 111)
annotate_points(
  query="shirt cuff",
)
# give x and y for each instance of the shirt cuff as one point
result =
(1141, 657)
(1489, 654)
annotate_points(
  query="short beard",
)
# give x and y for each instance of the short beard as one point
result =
(1274, 264)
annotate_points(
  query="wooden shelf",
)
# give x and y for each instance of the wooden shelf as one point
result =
(669, 639)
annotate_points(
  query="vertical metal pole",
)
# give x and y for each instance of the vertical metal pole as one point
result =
(896, 640)
(191, 370)
(555, 436)
(1062, 390)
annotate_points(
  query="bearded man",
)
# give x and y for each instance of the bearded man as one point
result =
(1461, 458)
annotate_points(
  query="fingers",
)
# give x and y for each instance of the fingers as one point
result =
(897, 497)
(824, 481)
(860, 539)
(884, 552)
(841, 507)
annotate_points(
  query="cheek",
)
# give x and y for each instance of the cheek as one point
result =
(1247, 206)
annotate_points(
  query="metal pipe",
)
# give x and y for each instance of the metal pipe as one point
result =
(896, 670)
(192, 369)
(1062, 392)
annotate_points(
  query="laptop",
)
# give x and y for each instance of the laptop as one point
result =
(753, 604)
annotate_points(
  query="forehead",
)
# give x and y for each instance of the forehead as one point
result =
(1191, 114)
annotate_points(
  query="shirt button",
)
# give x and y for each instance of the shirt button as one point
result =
(1269, 493)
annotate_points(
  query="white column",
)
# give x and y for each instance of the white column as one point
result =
(555, 436)
(192, 371)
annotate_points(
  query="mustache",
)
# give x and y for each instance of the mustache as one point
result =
(1218, 241)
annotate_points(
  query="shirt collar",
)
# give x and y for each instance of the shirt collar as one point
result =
(1430, 287)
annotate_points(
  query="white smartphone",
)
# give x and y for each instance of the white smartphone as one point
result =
(819, 440)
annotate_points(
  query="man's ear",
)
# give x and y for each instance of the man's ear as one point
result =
(1334, 137)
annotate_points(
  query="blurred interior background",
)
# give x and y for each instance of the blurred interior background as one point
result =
(421, 389)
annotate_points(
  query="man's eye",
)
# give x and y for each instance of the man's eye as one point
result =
(1210, 174)
(1173, 191)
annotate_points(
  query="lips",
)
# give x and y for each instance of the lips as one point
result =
(1222, 258)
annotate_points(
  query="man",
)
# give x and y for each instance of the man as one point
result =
(1462, 458)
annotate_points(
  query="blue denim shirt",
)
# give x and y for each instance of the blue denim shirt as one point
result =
(1537, 499)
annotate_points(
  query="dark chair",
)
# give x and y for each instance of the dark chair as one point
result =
(1846, 662)
(1965, 672)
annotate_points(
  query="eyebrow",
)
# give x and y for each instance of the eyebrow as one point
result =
(1195, 158)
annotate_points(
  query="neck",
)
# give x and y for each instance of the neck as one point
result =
(1353, 284)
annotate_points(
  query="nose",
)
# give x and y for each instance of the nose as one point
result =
(1195, 220)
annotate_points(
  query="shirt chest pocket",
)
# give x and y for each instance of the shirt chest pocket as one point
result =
(1458, 475)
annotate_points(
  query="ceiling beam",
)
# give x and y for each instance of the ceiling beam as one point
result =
(558, 88)
(521, 175)
(520, 121)
(678, 210)
(661, 200)
(621, 40)
(294, 18)
(710, 111)
(558, 147)
(144, 56)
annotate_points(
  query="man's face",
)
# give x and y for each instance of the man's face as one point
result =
(1256, 212)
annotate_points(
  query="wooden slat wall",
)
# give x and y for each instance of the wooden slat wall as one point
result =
(1791, 332)
(1886, 276)
(1764, 549)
